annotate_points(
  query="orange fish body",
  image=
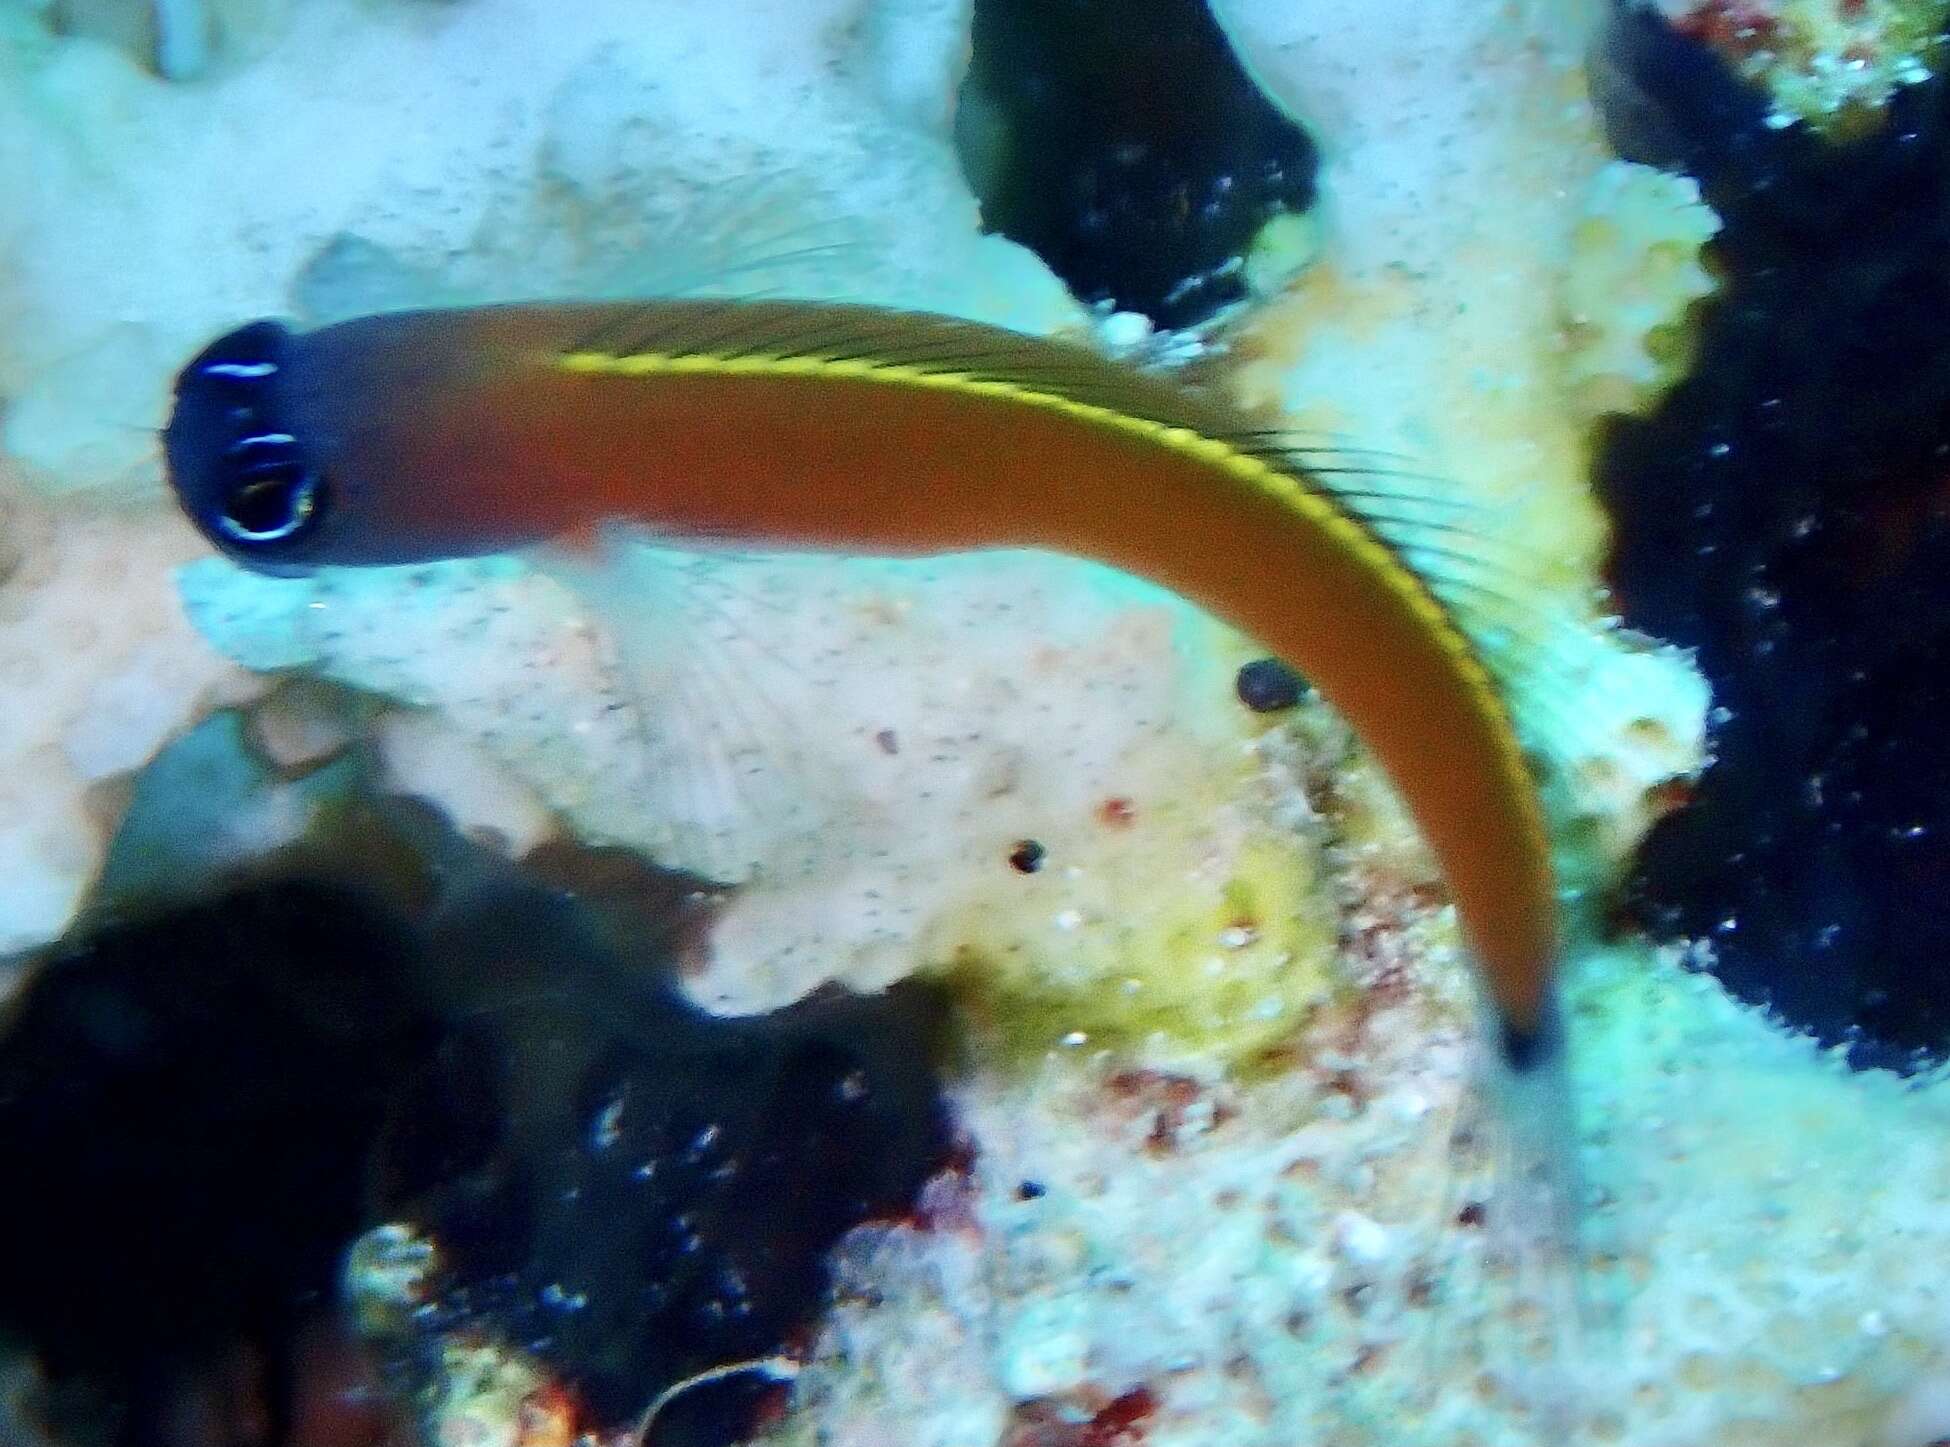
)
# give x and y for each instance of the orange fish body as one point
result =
(420, 435)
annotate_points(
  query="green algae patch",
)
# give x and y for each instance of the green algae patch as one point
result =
(1187, 929)
(1832, 64)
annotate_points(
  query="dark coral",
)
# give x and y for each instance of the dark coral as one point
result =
(635, 1192)
(1122, 142)
(210, 1099)
(186, 1102)
(1786, 512)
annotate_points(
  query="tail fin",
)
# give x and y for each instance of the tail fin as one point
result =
(1516, 1303)
(1535, 1219)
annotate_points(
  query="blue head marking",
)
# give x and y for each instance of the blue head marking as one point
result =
(238, 470)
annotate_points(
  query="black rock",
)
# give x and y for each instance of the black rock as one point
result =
(1122, 142)
(209, 1100)
(634, 1192)
(1786, 512)
(189, 1101)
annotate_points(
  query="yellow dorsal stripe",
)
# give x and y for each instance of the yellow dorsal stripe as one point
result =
(1291, 489)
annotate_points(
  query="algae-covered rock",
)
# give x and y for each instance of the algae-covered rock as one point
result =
(1174, 926)
(1830, 63)
(895, 746)
(1633, 274)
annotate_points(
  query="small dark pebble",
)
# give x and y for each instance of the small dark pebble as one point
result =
(1266, 685)
(1026, 857)
(1031, 1191)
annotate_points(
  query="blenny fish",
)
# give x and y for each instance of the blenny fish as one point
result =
(412, 436)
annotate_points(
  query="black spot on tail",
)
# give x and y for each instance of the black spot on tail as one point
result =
(1525, 1051)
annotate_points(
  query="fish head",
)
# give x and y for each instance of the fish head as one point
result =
(235, 459)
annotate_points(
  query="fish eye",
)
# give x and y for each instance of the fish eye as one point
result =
(273, 496)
